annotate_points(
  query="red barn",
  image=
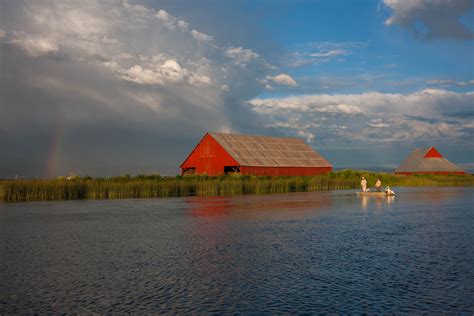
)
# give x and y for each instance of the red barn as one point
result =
(222, 153)
(428, 161)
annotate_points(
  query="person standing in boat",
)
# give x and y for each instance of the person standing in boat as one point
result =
(378, 185)
(363, 184)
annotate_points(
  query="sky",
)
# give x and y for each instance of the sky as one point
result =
(104, 88)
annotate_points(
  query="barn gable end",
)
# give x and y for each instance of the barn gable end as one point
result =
(433, 153)
(208, 157)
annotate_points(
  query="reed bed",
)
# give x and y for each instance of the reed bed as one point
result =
(126, 187)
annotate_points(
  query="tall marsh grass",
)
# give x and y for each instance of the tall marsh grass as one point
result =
(156, 186)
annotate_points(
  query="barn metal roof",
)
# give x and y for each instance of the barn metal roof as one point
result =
(265, 151)
(417, 162)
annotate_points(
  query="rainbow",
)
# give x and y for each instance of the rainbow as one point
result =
(52, 159)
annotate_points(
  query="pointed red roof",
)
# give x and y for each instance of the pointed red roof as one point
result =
(427, 160)
(432, 153)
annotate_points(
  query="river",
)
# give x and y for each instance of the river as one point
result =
(258, 254)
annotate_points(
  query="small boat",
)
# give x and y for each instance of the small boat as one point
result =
(370, 193)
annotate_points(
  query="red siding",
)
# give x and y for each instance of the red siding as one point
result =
(428, 172)
(209, 158)
(284, 171)
(433, 153)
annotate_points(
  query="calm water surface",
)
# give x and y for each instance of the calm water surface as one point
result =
(302, 252)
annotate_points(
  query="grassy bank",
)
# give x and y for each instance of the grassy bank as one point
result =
(156, 186)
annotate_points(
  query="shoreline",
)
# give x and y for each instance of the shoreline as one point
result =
(126, 187)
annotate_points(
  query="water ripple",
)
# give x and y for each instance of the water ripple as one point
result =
(323, 252)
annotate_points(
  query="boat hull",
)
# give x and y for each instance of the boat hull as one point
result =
(375, 194)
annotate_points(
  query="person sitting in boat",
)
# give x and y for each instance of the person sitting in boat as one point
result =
(388, 191)
(378, 185)
(363, 184)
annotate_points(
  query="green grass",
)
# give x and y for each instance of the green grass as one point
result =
(153, 186)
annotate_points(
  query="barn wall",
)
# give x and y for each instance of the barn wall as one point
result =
(284, 171)
(209, 158)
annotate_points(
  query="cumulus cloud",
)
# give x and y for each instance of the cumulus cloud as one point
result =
(432, 99)
(164, 73)
(241, 56)
(170, 71)
(201, 36)
(428, 19)
(163, 15)
(306, 135)
(171, 22)
(35, 46)
(183, 25)
(83, 31)
(85, 35)
(282, 79)
(371, 118)
(304, 104)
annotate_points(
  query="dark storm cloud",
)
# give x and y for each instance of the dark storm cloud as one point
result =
(114, 87)
(428, 19)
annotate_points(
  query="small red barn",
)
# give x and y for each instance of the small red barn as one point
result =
(428, 161)
(222, 153)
